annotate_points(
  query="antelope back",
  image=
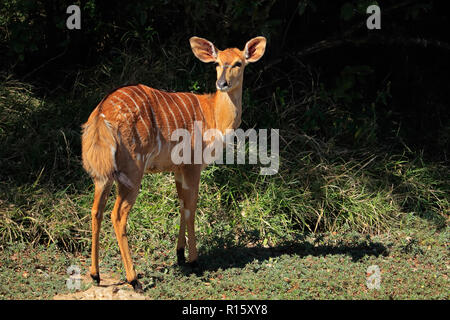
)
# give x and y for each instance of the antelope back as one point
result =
(145, 119)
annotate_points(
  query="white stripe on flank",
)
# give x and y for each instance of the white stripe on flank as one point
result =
(145, 109)
(158, 140)
(156, 127)
(131, 112)
(162, 111)
(149, 157)
(170, 109)
(138, 109)
(200, 107)
(179, 110)
(151, 109)
(193, 108)
(186, 109)
(117, 105)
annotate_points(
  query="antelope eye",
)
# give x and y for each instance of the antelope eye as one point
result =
(237, 64)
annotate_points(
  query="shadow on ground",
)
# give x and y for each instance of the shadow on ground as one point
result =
(239, 256)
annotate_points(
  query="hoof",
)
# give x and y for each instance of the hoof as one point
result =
(194, 265)
(180, 257)
(96, 278)
(136, 286)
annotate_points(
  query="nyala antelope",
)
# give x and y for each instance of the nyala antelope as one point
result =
(128, 134)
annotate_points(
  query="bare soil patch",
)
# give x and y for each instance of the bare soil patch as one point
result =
(110, 288)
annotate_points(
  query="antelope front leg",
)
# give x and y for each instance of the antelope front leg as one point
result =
(187, 182)
(181, 243)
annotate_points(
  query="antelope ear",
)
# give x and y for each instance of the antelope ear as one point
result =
(203, 49)
(254, 49)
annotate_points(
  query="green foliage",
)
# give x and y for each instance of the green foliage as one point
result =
(17, 18)
(321, 186)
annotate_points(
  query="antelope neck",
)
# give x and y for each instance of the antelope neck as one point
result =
(227, 108)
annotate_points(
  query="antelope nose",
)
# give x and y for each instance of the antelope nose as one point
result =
(222, 83)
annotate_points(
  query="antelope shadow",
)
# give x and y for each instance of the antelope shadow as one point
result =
(238, 256)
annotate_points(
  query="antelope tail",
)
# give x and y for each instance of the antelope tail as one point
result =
(99, 145)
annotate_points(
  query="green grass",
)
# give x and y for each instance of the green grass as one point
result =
(309, 231)
(413, 262)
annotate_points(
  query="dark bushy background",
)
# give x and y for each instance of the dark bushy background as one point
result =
(386, 86)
